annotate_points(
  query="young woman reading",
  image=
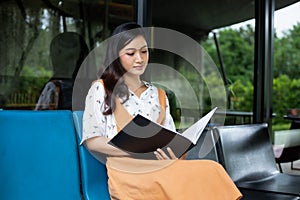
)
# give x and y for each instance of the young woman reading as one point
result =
(118, 96)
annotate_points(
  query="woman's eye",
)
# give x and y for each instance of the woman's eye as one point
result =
(130, 54)
(145, 51)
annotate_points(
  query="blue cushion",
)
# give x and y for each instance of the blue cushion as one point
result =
(38, 156)
(93, 172)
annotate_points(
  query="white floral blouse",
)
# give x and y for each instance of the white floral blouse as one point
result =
(97, 124)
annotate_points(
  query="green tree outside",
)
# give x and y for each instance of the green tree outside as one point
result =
(237, 48)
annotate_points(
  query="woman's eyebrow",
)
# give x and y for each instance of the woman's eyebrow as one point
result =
(136, 48)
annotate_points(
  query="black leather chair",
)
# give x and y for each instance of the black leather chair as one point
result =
(246, 153)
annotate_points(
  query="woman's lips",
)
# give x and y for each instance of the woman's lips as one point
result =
(139, 67)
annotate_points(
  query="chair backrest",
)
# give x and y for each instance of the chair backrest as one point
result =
(38, 156)
(245, 151)
(93, 172)
(67, 52)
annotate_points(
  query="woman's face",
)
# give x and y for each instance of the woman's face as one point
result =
(134, 56)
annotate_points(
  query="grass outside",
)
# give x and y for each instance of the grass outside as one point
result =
(277, 127)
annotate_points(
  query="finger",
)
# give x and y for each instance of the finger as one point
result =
(162, 154)
(171, 153)
(158, 156)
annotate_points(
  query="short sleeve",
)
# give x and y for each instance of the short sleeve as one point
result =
(94, 122)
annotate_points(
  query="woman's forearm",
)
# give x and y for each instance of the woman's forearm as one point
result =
(100, 145)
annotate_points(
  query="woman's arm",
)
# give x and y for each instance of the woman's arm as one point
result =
(100, 144)
(95, 132)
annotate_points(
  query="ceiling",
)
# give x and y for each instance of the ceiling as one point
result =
(193, 17)
(200, 17)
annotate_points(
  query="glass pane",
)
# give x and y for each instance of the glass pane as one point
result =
(35, 47)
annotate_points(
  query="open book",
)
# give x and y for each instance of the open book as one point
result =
(142, 136)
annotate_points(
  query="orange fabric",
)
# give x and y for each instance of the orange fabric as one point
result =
(122, 117)
(134, 179)
(162, 101)
(162, 98)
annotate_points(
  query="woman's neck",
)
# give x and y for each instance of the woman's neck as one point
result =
(133, 83)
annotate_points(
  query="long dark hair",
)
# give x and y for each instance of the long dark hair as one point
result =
(112, 76)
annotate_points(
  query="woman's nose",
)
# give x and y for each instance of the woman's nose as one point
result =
(139, 57)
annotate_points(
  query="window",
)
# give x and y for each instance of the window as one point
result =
(29, 27)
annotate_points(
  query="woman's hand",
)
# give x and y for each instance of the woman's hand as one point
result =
(161, 155)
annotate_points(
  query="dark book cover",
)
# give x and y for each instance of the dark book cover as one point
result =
(142, 137)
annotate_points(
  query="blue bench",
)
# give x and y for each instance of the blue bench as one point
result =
(93, 172)
(38, 156)
(41, 158)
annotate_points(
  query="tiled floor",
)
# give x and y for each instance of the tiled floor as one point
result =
(286, 168)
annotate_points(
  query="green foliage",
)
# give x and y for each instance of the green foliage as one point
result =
(36, 71)
(237, 49)
(287, 53)
(241, 95)
(281, 96)
(285, 126)
(286, 94)
(33, 79)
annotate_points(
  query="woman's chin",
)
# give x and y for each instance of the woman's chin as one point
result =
(137, 71)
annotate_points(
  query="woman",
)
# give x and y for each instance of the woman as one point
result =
(127, 59)
(113, 101)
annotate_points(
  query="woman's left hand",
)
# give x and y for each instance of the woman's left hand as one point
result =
(161, 155)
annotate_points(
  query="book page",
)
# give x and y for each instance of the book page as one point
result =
(194, 132)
